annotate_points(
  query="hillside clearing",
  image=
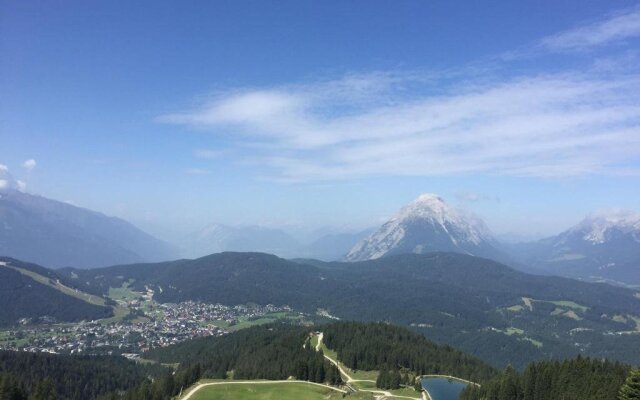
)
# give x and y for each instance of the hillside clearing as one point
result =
(262, 390)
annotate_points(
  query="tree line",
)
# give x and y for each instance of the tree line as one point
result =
(576, 379)
(36, 376)
(273, 352)
(392, 349)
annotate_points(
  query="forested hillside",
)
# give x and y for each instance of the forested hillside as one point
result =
(41, 376)
(275, 351)
(379, 346)
(23, 297)
(577, 379)
(485, 308)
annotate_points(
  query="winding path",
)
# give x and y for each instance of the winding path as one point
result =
(382, 393)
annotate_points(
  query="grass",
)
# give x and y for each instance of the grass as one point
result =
(369, 375)
(244, 322)
(266, 391)
(619, 318)
(119, 312)
(89, 298)
(514, 331)
(572, 314)
(565, 308)
(409, 392)
(124, 293)
(637, 321)
(314, 341)
(557, 311)
(536, 343)
(570, 304)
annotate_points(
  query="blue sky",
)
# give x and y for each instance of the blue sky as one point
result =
(174, 115)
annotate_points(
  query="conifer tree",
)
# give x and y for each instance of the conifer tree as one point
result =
(631, 388)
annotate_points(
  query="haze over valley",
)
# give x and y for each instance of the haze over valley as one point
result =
(305, 200)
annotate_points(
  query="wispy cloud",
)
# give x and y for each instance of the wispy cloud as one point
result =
(410, 123)
(620, 26)
(555, 125)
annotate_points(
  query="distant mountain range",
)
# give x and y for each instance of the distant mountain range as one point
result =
(217, 238)
(602, 246)
(425, 225)
(57, 234)
(497, 313)
(36, 229)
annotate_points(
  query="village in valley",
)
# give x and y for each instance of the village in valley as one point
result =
(139, 324)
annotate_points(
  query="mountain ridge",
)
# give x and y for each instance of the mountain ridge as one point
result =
(465, 301)
(57, 234)
(424, 225)
(603, 246)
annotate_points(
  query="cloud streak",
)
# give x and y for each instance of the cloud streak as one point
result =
(555, 125)
(620, 26)
(407, 123)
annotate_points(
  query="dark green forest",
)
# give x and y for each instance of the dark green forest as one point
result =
(39, 376)
(384, 347)
(23, 297)
(577, 379)
(450, 298)
(274, 352)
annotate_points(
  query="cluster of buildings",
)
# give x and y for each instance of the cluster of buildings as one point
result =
(159, 326)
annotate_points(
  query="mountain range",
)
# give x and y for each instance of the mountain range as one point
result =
(493, 311)
(603, 247)
(57, 234)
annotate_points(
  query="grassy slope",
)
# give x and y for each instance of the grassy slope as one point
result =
(89, 298)
(265, 391)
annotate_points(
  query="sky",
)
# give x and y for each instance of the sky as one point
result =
(333, 114)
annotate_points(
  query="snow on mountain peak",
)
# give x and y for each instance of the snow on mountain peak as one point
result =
(428, 210)
(427, 206)
(595, 227)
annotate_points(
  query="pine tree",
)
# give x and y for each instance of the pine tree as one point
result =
(45, 390)
(631, 388)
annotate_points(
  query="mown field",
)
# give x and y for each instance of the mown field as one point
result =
(265, 391)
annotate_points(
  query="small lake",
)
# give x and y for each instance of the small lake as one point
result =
(440, 388)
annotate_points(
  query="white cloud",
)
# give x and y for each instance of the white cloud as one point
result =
(549, 125)
(29, 164)
(407, 123)
(8, 182)
(623, 25)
